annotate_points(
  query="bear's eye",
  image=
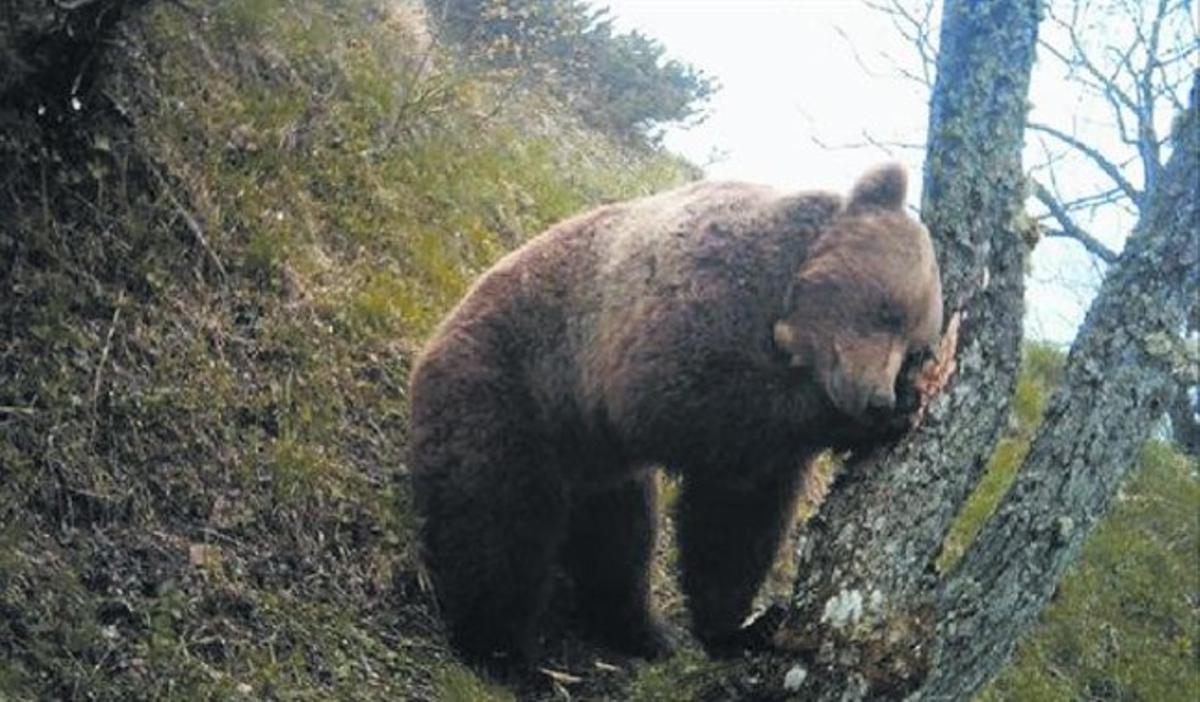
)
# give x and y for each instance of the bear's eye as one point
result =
(888, 317)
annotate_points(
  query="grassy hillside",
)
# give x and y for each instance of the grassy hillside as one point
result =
(216, 269)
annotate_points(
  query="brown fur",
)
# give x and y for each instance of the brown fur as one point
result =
(725, 331)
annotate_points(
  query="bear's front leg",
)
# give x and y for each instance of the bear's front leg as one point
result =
(607, 556)
(729, 535)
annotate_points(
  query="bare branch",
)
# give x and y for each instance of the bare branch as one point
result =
(1105, 197)
(918, 32)
(1052, 159)
(1148, 142)
(1100, 86)
(854, 52)
(868, 142)
(1070, 229)
(1110, 169)
(1081, 59)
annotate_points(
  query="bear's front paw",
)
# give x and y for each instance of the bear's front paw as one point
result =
(651, 643)
(758, 635)
(647, 639)
(935, 374)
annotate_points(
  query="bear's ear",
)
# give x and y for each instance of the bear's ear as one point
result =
(880, 188)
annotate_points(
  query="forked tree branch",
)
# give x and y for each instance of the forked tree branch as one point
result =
(1118, 381)
(1070, 229)
(1102, 162)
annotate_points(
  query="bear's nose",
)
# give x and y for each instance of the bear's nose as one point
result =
(882, 399)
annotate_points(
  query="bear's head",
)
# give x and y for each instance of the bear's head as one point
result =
(866, 299)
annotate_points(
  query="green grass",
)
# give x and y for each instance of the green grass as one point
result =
(458, 684)
(682, 677)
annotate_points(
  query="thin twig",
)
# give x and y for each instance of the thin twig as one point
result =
(1106, 197)
(862, 63)
(1070, 229)
(192, 225)
(1081, 59)
(99, 377)
(1109, 168)
(915, 30)
(868, 142)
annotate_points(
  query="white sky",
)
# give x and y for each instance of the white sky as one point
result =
(791, 76)
(786, 77)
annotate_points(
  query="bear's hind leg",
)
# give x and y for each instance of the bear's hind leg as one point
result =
(729, 536)
(607, 556)
(494, 511)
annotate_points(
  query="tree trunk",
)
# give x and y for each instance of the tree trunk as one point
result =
(1118, 381)
(1185, 430)
(1185, 408)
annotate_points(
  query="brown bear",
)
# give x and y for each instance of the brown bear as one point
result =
(724, 331)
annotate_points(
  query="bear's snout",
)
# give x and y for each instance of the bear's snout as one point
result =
(857, 399)
(881, 399)
(861, 378)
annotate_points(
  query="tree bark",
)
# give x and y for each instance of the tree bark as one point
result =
(1185, 408)
(1185, 430)
(1118, 381)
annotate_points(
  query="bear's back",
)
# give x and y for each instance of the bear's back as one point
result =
(567, 311)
